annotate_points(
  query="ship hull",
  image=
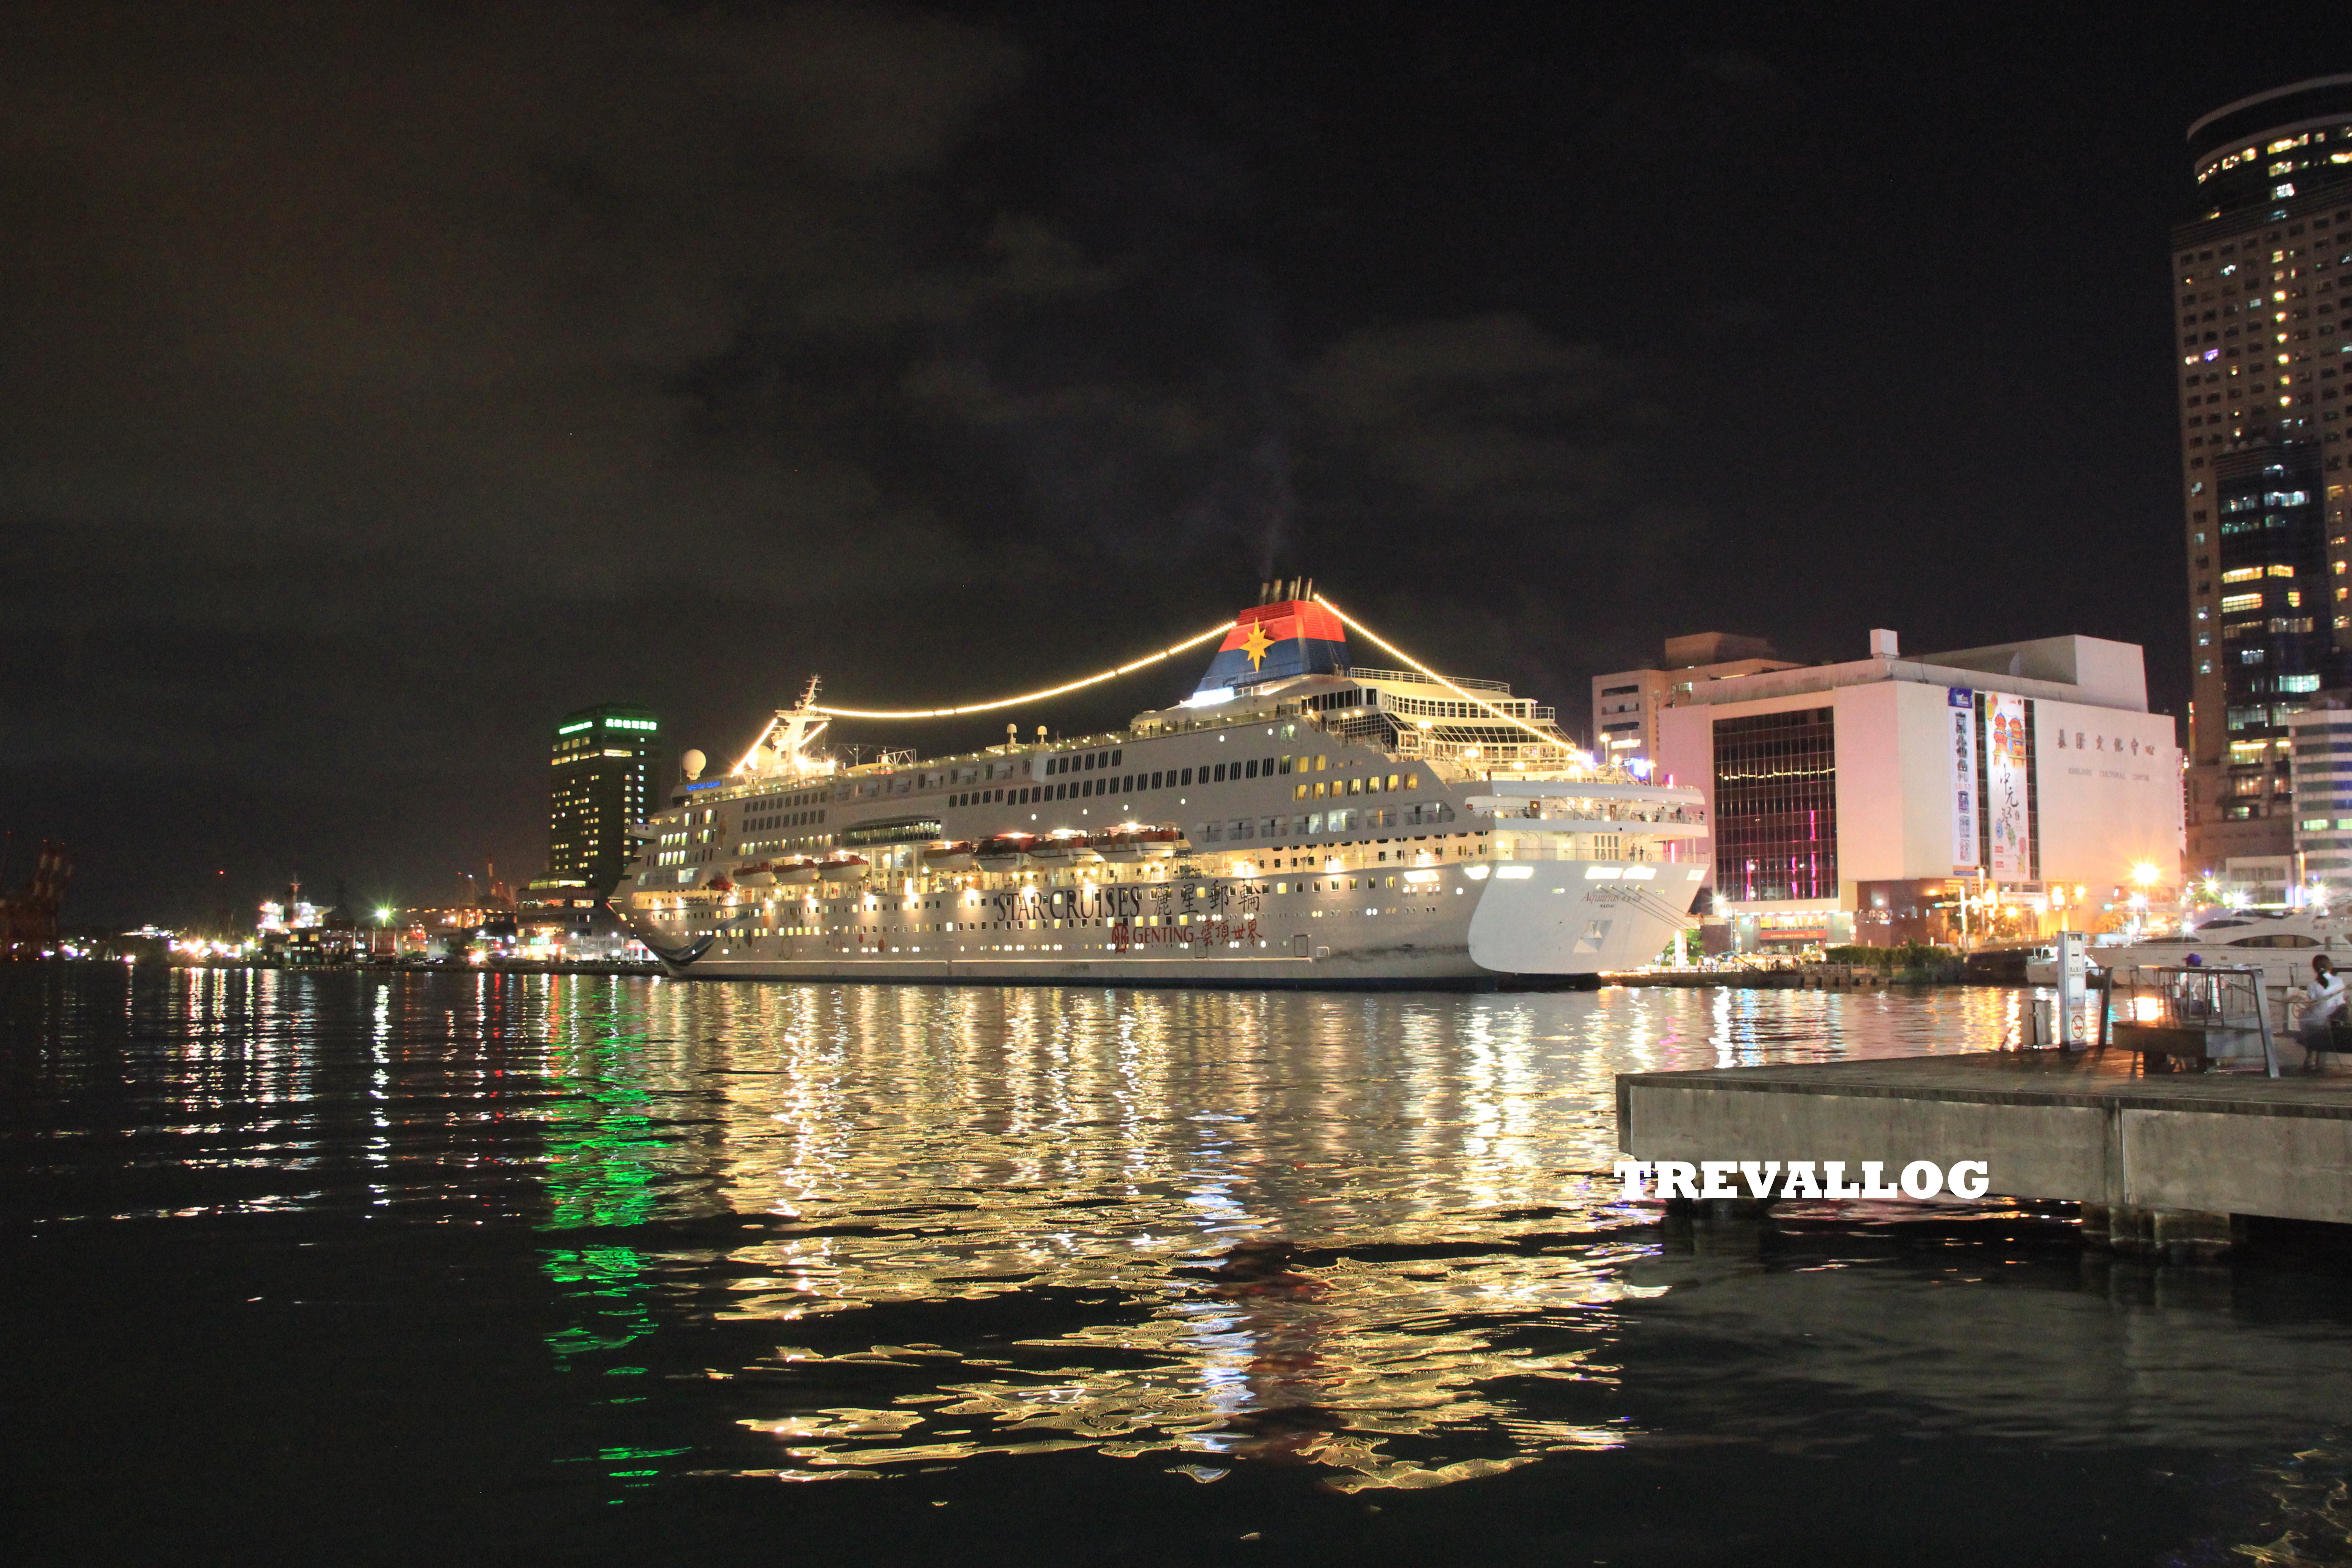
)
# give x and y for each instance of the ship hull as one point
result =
(1477, 927)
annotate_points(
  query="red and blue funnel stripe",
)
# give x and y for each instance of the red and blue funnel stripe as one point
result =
(1270, 642)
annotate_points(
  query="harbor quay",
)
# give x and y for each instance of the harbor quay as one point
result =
(2175, 1163)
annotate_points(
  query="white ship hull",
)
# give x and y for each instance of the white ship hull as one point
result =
(1452, 930)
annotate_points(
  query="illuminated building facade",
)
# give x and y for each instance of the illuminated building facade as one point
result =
(606, 763)
(1864, 801)
(2265, 356)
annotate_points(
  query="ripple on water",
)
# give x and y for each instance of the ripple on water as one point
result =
(1369, 1237)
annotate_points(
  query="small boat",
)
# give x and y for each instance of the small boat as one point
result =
(757, 876)
(1006, 851)
(846, 868)
(957, 857)
(1131, 848)
(796, 873)
(2281, 942)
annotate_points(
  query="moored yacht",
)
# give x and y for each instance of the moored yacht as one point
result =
(2280, 942)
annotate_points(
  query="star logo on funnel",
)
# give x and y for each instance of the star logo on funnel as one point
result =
(1257, 643)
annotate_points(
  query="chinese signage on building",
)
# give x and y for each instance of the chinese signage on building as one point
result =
(1962, 713)
(2007, 830)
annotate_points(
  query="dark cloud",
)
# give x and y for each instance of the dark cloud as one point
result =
(378, 380)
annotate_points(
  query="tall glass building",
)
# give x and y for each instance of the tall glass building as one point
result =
(2322, 737)
(2264, 357)
(605, 763)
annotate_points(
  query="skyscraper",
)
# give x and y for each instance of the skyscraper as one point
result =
(606, 762)
(2265, 355)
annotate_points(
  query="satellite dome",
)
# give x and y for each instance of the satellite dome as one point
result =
(692, 763)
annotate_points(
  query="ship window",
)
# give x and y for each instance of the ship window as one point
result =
(1125, 783)
(1186, 779)
(1265, 768)
(1116, 755)
(1155, 781)
(1285, 764)
(1249, 769)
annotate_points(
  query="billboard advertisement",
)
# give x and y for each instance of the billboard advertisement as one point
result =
(1962, 715)
(2007, 833)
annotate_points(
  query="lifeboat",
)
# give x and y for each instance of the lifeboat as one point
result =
(956, 856)
(756, 876)
(846, 868)
(1061, 850)
(1131, 848)
(1004, 852)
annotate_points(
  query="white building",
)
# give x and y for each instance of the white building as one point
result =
(1625, 706)
(1891, 799)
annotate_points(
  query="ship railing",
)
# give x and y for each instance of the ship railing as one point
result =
(1564, 847)
(1414, 678)
(1580, 812)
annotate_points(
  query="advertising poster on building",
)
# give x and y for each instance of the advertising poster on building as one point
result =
(1962, 713)
(2008, 832)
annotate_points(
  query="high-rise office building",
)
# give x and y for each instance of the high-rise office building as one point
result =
(2264, 358)
(606, 765)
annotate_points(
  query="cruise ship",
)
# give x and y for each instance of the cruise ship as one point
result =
(1299, 821)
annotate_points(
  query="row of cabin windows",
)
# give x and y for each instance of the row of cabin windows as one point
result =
(1171, 778)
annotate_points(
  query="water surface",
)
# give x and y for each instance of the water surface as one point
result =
(364, 1267)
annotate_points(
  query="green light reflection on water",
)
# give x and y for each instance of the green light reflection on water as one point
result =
(602, 1166)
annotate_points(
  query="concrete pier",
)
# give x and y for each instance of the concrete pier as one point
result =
(2170, 1162)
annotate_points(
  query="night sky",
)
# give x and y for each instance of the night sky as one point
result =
(379, 381)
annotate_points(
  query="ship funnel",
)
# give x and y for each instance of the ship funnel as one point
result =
(1293, 635)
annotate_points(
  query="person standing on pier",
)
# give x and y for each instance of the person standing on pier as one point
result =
(2322, 1005)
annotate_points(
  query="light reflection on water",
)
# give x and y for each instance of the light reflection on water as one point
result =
(1433, 1282)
